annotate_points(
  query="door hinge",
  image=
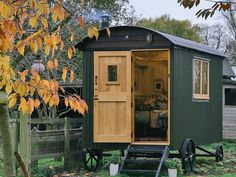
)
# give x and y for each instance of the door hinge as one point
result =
(132, 134)
(131, 104)
(132, 59)
(132, 89)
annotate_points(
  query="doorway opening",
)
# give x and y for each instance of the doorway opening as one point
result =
(150, 95)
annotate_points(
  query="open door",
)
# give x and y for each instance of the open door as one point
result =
(112, 97)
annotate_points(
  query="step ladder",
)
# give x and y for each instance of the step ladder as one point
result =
(144, 160)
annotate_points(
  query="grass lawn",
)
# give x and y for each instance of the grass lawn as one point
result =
(205, 166)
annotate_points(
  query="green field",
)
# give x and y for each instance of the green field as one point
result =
(205, 166)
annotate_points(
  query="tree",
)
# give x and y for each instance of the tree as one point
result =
(215, 36)
(209, 12)
(30, 27)
(181, 28)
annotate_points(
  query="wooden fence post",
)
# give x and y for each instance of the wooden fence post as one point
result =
(67, 144)
(25, 138)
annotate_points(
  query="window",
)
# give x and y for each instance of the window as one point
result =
(230, 96)
(200, 79)
(112, 74)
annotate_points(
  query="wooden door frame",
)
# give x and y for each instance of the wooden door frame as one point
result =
(133, 101)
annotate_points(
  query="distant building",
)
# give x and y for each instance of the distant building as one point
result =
(229, 101)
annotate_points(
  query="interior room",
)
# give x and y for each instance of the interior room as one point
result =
(151, 95)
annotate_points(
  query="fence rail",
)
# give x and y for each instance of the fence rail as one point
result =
(34, 144)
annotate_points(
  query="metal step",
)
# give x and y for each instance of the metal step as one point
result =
(137, 171)
(140, 161)
(158, 154)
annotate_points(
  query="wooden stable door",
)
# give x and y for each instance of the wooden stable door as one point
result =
(112, 96)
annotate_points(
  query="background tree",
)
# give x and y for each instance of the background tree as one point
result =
(180, 28)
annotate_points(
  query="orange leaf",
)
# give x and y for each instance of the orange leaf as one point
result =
(31, 105)
(69, 53)
(66, 102)
(36, 103)
(61, 45)
(81, 21)
(50, 65)
(56, 63)
(72, 76)
(64, 73)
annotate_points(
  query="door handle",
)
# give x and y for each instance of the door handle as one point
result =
(96, 80)
(96, 98)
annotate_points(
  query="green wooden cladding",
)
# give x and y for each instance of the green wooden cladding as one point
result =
(196, 119)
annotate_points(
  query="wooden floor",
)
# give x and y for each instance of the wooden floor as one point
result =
(150, 139)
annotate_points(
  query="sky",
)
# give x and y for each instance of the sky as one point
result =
(156, 8)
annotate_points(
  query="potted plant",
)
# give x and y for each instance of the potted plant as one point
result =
(174, 166)
(114, 165)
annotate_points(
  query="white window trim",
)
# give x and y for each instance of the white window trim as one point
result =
(201, 96)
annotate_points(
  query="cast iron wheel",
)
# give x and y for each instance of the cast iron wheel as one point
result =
(187, 154)
(219, 153)
(92, 159)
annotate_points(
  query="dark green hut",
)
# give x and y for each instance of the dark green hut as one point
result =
(148, 88)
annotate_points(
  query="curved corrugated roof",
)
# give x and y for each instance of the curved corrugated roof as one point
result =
(173, 39)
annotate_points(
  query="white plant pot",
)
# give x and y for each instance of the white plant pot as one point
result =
(114, 169)
(172, 172)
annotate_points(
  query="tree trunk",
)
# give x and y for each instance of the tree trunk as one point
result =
(7, 146)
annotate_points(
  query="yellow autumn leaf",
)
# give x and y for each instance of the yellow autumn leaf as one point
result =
(64, 73)
(36, 103)
(33, 22)
(44, 22)
(40, 42)
(90, 32)
(95, 32)
(47, 49)
(23, 89)
(21, 49)
(13, 95)
(23, 74)
(70, 53)
(50, 65)
(72, 76)
(108, 32)
(72, 37)
(8, 88)
(12, 103)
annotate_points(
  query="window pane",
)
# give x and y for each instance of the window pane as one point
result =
(112, 73)
(204, 77)
(230, 96)
(197, 69)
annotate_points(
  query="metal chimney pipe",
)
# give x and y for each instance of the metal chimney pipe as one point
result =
(105, 21)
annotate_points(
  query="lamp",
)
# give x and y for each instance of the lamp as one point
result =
(37, 65)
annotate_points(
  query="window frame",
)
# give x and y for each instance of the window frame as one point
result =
(117, 82)
(201, 95)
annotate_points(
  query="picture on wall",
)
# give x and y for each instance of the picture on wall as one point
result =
(157, 85)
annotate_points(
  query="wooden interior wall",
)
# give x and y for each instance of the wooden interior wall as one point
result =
(148, 72)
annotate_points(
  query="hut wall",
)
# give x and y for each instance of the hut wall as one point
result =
(200, 120)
